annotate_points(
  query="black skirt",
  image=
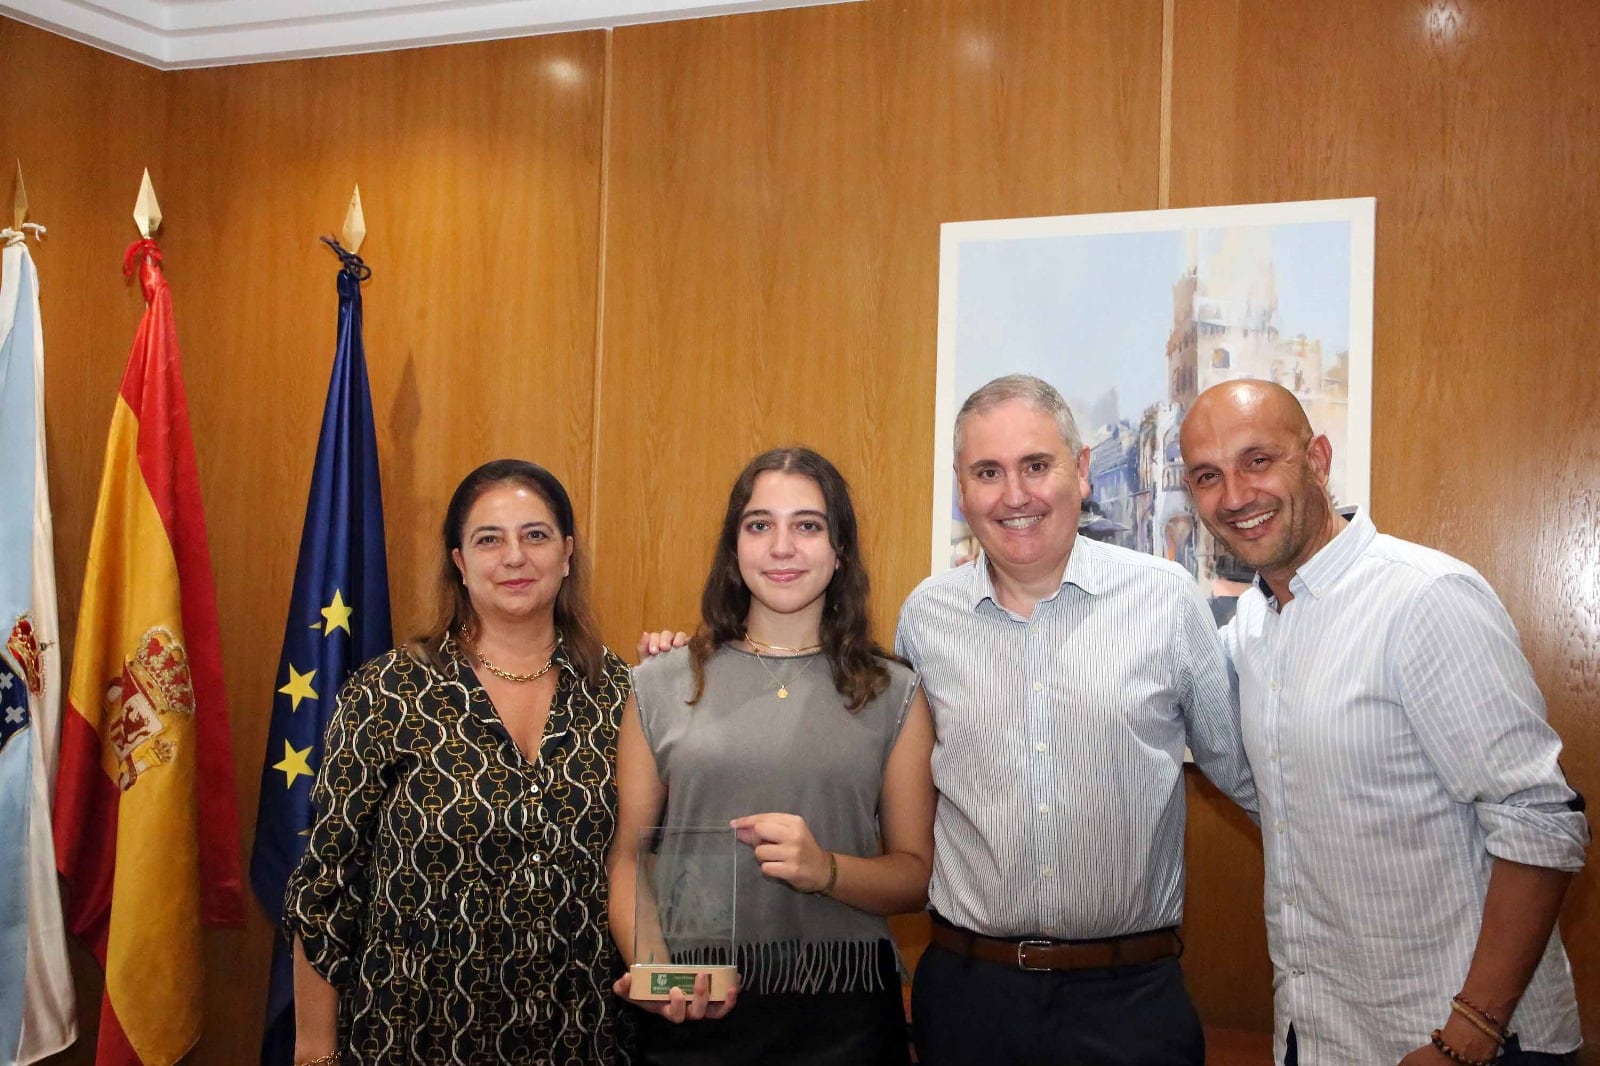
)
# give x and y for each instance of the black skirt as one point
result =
(775, 1029)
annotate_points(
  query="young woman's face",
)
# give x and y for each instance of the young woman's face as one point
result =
(785, 554)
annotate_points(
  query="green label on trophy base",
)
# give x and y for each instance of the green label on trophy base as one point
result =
(662, 984)
(655, 981)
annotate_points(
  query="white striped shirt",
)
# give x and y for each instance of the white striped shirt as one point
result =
(1060, 738)
(1399, 744)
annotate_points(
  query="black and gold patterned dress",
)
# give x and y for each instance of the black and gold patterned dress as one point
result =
(454, 891)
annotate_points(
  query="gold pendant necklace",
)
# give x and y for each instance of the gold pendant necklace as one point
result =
(783, 686)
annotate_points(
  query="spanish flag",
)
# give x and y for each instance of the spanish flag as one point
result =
(146, 732)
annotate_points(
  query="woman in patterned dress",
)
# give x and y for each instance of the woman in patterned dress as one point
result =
(451, 904)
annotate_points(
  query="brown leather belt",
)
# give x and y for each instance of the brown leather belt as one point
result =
(1030, 953)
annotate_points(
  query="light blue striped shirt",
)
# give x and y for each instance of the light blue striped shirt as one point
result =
(1060, 739)
(1399, 744)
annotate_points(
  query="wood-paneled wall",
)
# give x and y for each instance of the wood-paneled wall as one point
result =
(641, 257)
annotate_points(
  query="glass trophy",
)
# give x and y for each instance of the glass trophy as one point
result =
(683, 906)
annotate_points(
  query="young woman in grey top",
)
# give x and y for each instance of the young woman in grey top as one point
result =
(784, 719)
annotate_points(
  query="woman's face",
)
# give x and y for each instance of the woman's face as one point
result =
(512, 556)
(785, 554)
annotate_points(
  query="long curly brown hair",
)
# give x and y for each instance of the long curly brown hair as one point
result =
(857, 661)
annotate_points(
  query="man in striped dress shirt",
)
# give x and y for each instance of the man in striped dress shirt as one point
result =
(1065, 677)
(1419, 834)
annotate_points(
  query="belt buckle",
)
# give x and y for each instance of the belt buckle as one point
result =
(1022, 955)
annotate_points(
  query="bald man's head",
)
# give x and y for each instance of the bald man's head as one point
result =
(1258, 476)
(1249, 398)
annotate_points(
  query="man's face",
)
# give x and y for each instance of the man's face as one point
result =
(1021, 488)
(1258, 484)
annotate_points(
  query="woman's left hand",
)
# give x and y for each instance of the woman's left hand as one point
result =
(785, 849)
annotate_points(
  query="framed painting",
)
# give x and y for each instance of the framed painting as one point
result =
(1133, 315)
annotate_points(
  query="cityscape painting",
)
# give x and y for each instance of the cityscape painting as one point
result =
(1133, 315)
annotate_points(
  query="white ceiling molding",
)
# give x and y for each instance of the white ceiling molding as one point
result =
(173, 34)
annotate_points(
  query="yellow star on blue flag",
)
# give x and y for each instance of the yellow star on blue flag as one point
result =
(337, 614)
(299, 686)
(294, 764)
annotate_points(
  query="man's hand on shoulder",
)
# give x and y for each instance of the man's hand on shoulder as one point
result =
(653, 643)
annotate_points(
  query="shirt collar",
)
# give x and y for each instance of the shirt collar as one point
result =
(1323, 570)
(1084, 570)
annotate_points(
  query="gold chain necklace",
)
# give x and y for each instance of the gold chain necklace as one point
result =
(754, 643)
(507, 675)
(783, 686)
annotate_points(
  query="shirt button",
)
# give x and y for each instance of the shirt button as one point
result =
(1278, 825)
(1044, 808)
(1272, 756)
(1038, 686)
(537, 858)
(1273, 686)
(1048, 871)
(1041, 747)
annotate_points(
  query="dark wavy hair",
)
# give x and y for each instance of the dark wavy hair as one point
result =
(574, 620)
(855, 658)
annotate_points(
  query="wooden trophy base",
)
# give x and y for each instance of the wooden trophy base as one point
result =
(655, 981)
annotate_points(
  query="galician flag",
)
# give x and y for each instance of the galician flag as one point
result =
(146, 826)
(338, 619)
(37, 1009)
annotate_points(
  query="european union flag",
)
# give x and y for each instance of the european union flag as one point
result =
(338, 619)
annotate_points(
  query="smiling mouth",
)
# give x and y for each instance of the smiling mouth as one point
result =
(1022, 521)
(784, 576)
(1253, 521)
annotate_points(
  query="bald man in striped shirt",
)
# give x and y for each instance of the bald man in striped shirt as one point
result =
(1066, 677)
(1418, 832)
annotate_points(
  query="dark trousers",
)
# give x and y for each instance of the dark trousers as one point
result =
(970, 1013)
(823, 1029)
(1513, 1055)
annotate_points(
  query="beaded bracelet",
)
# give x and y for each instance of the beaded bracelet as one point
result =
(833, 876)
(1455, 1056)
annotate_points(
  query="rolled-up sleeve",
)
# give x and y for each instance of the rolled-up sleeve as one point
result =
(1470, 695)
(325, 901)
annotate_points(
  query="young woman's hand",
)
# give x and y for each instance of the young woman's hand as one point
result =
(787, 851)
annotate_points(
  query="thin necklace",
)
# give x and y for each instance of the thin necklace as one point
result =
(783, 686)
(507, 675)
(754, 643)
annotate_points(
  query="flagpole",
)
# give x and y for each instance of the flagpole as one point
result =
(146, 734)
(338, 618)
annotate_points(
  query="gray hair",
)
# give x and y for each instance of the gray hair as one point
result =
(1036, 391)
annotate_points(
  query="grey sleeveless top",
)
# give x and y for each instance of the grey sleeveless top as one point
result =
(742, 750)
